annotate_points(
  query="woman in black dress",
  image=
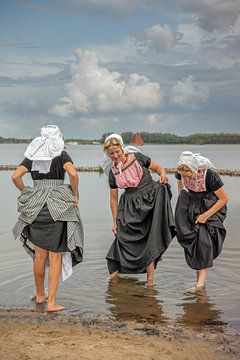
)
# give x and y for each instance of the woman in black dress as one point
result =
(49, 225)
(142, 220)
(200, 212)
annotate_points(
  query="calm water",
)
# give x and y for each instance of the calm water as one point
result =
(87, 291)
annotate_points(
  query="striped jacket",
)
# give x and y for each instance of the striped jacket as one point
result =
(60, 201)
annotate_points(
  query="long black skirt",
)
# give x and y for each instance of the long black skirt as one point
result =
(145, 228)
(202, 243)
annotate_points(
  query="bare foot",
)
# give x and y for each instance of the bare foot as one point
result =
(113, 275)
(150, 283)
(195, 289)
(55, 308)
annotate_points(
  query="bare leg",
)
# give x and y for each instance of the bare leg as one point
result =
(55, 260)
(113, 275)
(201, 277)
(150, 275)
(39, 273)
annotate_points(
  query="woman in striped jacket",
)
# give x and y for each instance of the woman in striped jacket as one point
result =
(49, 225)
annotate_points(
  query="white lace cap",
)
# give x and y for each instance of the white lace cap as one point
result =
(194, 161)
(115, 136)
(107, 163)
(47, 146)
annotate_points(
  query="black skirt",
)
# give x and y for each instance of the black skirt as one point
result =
(46, 233)
(202, 243)
(145, 228)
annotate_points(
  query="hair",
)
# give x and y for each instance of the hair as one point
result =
(183, 167)
(111, 142)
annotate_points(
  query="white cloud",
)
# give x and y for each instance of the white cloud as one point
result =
(93, 88)
(215, 50)
(160, 38)
(190, 94)
(213, 14)
(193, 35)
(95, 123)
(153, 119)
(160, 119)
(217, 58)
(123, 51)
(98, 123)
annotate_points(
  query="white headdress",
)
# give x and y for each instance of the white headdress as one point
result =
(107, 163)
(194, 161)
(45, 148)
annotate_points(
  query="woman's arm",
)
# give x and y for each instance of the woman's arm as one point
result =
(17, 177)
(180, 186)
(114, 207)
(154, 166)
(222, 200)
(73, 178)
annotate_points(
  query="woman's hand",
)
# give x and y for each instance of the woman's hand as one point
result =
(201, 219)
(114, 208)
(163, 179)
(76, 200)
(114, 229)
(222, 200)
(159, 170)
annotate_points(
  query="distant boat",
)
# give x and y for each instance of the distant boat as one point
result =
(137, 140)
(71, 143)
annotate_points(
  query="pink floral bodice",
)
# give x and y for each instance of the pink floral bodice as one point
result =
(197, 183)
(130, 174)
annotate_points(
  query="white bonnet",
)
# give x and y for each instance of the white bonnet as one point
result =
(194, 161)
(47, 146)
(115, 136)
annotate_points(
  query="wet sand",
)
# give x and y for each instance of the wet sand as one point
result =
(32, 334)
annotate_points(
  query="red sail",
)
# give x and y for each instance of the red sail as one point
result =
(137, 140)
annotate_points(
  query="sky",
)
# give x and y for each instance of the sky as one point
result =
(96, 66)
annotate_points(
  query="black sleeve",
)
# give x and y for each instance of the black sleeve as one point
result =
(143, 160)
(178, 176)
(66, 158)
(27, 164)
(111, 180)
(213, 181)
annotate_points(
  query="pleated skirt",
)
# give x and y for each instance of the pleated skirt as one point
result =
(145, 228)
(202, 243)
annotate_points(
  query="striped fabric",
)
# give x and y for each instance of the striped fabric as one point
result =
(60, 202)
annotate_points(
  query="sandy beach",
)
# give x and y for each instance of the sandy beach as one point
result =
(31, 335)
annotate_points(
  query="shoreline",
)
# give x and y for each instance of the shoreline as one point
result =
(99, 169)
(28, 334)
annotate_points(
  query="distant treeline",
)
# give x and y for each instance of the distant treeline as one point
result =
(14, 141)
(151, 138)
(27, 141)
(166, 138)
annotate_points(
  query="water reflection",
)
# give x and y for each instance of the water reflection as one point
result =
(86, 290)
(132, 300)
(198, 309)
